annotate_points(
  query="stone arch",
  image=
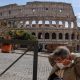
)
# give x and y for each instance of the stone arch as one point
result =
(60, 36)
(53, 22)
(67, 36)
(33, 22)
(53, 35)
(40, 35)
(27, 22)
(60, 22)
(40, 22)
(72, 36)
(47, 36)
(20, 24)
(46, 22)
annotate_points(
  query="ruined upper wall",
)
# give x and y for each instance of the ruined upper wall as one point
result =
(40, 9)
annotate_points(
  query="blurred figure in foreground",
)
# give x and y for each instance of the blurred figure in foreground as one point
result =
(65, 66)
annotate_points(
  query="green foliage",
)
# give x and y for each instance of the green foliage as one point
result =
(21, 35)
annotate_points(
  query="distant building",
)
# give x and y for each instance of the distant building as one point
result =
(53, 23)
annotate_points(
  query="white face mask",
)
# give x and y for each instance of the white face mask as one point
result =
(60, 65)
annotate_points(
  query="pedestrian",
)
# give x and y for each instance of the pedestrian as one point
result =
(65, 66)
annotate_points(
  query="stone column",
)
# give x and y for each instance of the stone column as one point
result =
(57, 24)
(74, 24)
(43, 23)
(50, 23)
(63, 22)
(30, 23)
(37, 25)
(69, 24)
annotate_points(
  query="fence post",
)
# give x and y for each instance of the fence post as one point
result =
(35, 61)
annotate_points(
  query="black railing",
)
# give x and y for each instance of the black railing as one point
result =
(31, 45)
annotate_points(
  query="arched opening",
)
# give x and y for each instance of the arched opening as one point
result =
(20, 24)
(72, 36)
(60, 24)
(53, 35)
(26, 24)
(46, 35)
(60, 36)
(67, 36)
(54, 24)
(34, 23)
(66, 24)
(46, 23)
(40, 23)
(40, 35)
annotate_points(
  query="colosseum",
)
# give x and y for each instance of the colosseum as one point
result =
(52, 23)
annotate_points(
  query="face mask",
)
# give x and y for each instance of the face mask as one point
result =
(60, 65)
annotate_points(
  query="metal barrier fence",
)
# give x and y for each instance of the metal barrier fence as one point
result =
(30, 44)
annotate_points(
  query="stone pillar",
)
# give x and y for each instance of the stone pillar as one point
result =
(30, 23)
(69, 24)
(57, 24)
(43, 46)
(50, 34)
(75, 24)
(63, 36)
(50, 23)
(37, 25)
(43, 23)
(63, 22)
(57, 36)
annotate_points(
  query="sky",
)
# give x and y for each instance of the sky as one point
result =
(75, 4)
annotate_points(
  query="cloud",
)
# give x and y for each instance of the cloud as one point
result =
(78, 15)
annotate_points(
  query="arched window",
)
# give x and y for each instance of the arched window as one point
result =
(66, 24)
(46, 22)
(67, 36)
(46, 35)
(53, 22)
(60, 36)
(53, 35)
(27, 23)
(34, 22)
(40, 35)
(60, 22)
(72, 36)
(40, 22)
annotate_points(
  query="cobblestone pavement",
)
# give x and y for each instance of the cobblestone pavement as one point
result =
(23, 69)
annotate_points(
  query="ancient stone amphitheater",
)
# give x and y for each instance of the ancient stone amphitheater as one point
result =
(53, 23)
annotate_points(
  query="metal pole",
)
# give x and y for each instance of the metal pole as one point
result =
(35, 61)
